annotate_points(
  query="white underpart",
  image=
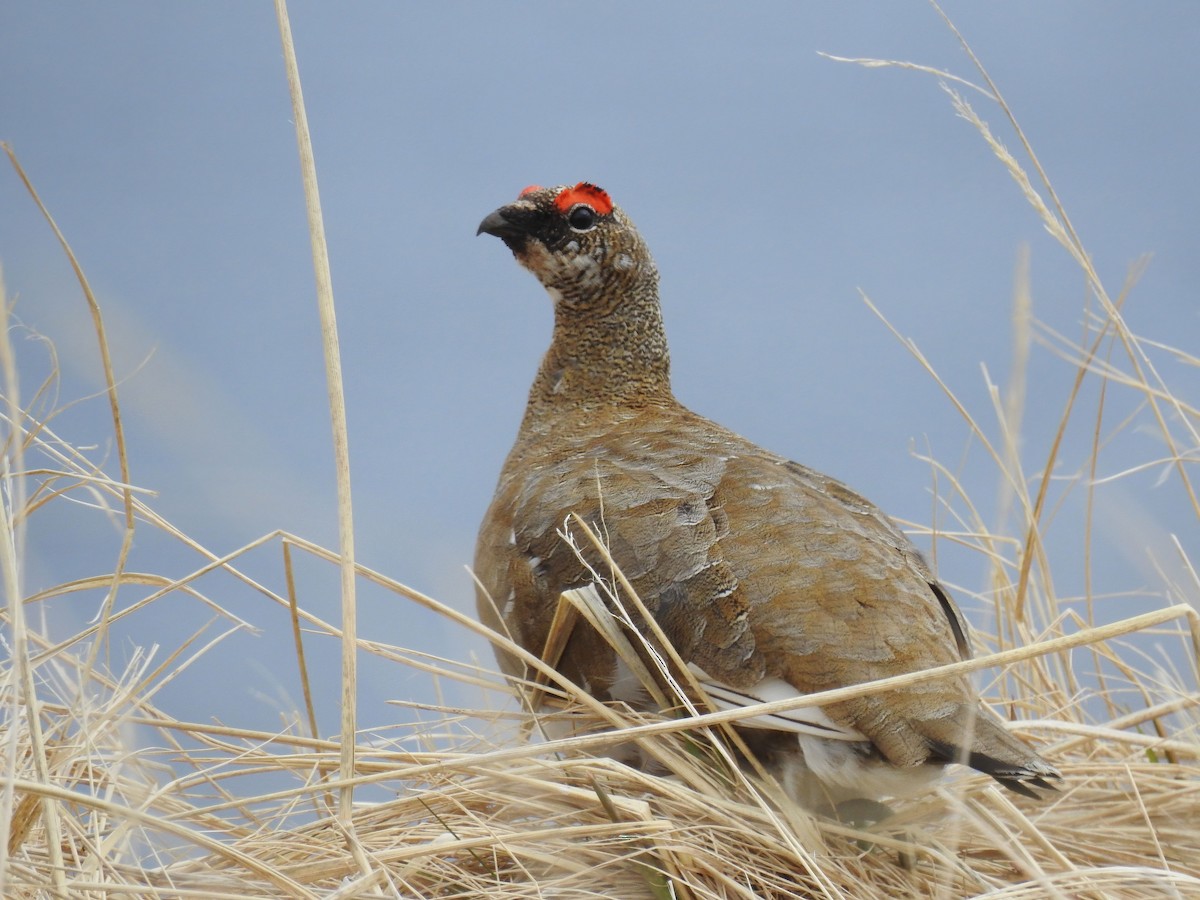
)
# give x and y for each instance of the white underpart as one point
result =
(557, 727)
(842, 766)
(623, 262)
(810, 720)
(626, 685)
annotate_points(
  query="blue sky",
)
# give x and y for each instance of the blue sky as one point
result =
(771, 184)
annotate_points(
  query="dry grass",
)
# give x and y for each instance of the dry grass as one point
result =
(104, 794)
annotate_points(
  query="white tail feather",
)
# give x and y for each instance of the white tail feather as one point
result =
(810, 720)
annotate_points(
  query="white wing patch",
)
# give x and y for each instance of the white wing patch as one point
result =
(808, 721)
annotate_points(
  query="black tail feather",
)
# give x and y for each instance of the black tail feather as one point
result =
(1025, 779)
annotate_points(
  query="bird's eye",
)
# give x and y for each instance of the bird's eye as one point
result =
(582, 218)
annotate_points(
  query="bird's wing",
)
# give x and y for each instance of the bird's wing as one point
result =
(651, 500)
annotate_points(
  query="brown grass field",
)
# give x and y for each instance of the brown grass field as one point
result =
(484, 812)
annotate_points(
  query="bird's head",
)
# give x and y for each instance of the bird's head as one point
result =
(579, 244)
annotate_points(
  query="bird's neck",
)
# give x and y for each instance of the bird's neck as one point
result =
(604, 358)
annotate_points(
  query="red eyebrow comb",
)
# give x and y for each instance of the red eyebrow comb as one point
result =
(585, 192)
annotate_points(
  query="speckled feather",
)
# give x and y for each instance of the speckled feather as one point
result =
(754, 566)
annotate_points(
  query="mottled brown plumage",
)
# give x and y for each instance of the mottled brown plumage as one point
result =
(767, 577)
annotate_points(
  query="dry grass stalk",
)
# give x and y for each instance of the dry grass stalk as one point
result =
(337, 411)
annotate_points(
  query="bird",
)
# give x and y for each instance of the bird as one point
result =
(769, 579)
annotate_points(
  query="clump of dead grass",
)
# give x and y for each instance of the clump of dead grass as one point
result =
(105, 794)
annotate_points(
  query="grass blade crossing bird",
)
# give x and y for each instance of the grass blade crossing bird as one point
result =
(768, 578)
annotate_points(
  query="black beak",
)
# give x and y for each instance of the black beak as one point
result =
(499, 225)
